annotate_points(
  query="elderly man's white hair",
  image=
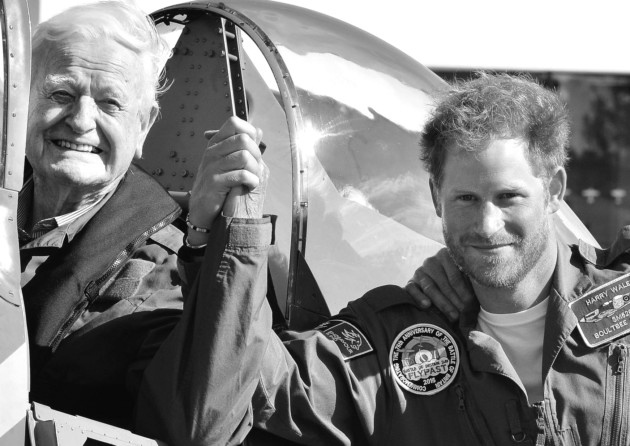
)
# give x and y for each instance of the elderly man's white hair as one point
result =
(119, 20)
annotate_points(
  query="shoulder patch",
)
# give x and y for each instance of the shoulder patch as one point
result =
(424, 359)
(603, 313)
(351, 341)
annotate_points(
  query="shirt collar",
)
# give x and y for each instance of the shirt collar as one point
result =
(54, 231)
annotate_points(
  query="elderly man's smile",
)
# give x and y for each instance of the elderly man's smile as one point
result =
(76, 147)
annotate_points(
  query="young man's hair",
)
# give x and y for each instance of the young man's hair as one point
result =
(496, 106)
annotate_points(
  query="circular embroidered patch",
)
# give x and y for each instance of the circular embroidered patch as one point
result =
(424, 359)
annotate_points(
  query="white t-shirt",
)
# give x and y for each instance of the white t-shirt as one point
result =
(521, 335)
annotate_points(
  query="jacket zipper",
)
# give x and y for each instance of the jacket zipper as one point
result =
(93, 288)
(619, 370)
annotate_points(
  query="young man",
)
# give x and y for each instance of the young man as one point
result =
(541, 361)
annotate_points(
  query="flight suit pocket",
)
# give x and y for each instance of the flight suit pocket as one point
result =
(617, 410)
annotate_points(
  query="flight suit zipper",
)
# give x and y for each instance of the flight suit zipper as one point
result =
(92, 290)
(469, 418)
(619, 372)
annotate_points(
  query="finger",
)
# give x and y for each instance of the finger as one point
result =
(459, 283)
(209, 134)
(436, 295)
(234, 126)
(416, 292)
(233, 144)
(435, 271)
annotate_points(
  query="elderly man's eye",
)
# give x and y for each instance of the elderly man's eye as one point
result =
(111, 104)
(61, 96)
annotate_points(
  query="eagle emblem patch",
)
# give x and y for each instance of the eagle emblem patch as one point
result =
(351, 341)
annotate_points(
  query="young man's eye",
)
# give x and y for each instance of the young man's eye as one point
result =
(465, 198)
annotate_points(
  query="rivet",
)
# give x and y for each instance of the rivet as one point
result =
(190, 119)
(172, 154)
(192, 133)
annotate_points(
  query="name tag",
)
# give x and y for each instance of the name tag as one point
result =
(604, 312)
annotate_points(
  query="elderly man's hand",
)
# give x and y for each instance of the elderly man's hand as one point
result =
(232, 160)
(439, 282)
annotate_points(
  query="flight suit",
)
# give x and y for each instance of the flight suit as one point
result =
(384, 371)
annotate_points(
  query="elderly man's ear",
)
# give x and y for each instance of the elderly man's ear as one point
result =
(146, 122)
(557, 187)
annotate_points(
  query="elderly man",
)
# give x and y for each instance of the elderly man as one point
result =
(98, 250)
(540, 361)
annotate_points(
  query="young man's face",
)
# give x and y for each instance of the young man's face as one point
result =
(496, 212)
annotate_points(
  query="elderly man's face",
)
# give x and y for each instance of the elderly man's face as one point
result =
(495, 212)
(88, 113)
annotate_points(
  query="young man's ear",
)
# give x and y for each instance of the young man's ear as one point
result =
(435, 196)
(557, 187)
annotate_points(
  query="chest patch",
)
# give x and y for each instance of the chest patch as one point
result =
(424, 359)
(604, 312)
(351, 341)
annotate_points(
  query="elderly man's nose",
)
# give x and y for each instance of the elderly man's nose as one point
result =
(82, 117)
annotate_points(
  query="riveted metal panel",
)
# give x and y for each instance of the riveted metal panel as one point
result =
(14, 87)
(198, 100)
(16, 57)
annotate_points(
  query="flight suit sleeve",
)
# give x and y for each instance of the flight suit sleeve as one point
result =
(198, 388)
(311, 394)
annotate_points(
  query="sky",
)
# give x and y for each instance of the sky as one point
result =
(533, 35)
